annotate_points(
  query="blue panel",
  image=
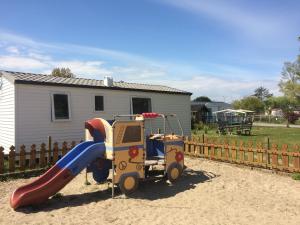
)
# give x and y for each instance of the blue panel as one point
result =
(73, 153)
(154, 148)
(86, 157)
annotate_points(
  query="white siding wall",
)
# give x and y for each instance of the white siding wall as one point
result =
(33, 117)
(7, 114)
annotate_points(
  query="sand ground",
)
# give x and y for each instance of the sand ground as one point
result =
(208, 193)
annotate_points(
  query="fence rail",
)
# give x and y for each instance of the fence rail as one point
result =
(275, 158)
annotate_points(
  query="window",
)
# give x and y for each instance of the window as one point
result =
(141, 105)
(132, 134)
(99, 104)
(60, 107)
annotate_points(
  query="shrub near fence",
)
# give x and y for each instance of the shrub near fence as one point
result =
(39, 158)
(248, 154)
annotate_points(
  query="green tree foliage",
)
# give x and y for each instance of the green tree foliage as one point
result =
(290, 80)
(287, 106)
(250, 103)
(202, 99)
(62, 72)
(262, 93)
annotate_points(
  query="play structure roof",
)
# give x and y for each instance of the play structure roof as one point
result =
(244, 111)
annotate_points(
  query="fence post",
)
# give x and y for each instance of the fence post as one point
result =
(241, 152)
(11, 159)
(22, 155)
(73, 144)
(55, 152)
(1, 160)
(42, 160)
(250, 153)
(64, 149)
(233, 151)
(49, 149)
(274, 156)
(285, 157)
(226, 151)
(296, 158)
(32, 157)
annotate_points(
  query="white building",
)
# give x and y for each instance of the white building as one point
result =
(35, 106)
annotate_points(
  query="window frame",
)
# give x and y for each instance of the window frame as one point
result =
(140, 133)
(53, 119)
(144, 97)
(94, 103)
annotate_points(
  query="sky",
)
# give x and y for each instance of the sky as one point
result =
(222, 49)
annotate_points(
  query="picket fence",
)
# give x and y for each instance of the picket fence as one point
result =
(275, 158)
(255, 155)
(37, 158)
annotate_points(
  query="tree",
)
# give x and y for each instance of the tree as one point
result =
(250, 103)
(202, 99)
(62, 72)
(262, 93)
(286, 105)
(290, 80)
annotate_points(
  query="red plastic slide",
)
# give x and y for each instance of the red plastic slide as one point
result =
(42, 188)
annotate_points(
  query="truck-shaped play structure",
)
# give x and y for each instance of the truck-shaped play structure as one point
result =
(123, 148)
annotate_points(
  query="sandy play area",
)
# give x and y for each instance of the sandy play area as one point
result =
(208, 193)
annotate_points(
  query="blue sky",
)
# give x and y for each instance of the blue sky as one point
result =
(222, 49)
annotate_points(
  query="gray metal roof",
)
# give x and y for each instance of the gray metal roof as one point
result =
(42, 79)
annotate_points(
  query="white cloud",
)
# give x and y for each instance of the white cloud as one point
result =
(256, 24)
(217, 88)
(21, 63)
(40, 57)
(13, 50)
(91, 69)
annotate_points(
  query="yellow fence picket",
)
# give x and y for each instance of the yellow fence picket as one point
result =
(274, 156)
(241, 153)
(55, 152)
(32, 161)
(11, 159)
(64, 149)
(296, 158)
(22, 155)
(285, 157)
(1, 160)
(42, 160)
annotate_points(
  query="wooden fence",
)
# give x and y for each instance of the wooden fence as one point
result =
(283, 159)
(275, 158)
(37, 158)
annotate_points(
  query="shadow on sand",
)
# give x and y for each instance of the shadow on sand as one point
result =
(150, 189)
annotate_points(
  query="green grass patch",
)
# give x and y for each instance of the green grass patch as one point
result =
(276, 135)
(296, 176)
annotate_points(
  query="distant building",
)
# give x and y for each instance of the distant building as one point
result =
(277, 112)
(203, 111)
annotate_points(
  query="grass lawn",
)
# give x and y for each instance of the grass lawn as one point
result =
(277, 135)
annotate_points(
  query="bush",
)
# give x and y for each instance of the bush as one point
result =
(199, 126)
(296, 176)
(292, 117)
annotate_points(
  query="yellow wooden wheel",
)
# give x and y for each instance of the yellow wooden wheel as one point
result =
(128, 183)
(174, 171)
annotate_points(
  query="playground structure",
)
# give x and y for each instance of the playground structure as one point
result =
(121, 148)
(230, 120)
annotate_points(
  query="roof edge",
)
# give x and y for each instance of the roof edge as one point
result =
(98, 87)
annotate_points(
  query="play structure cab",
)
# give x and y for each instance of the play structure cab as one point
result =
(127, 148)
